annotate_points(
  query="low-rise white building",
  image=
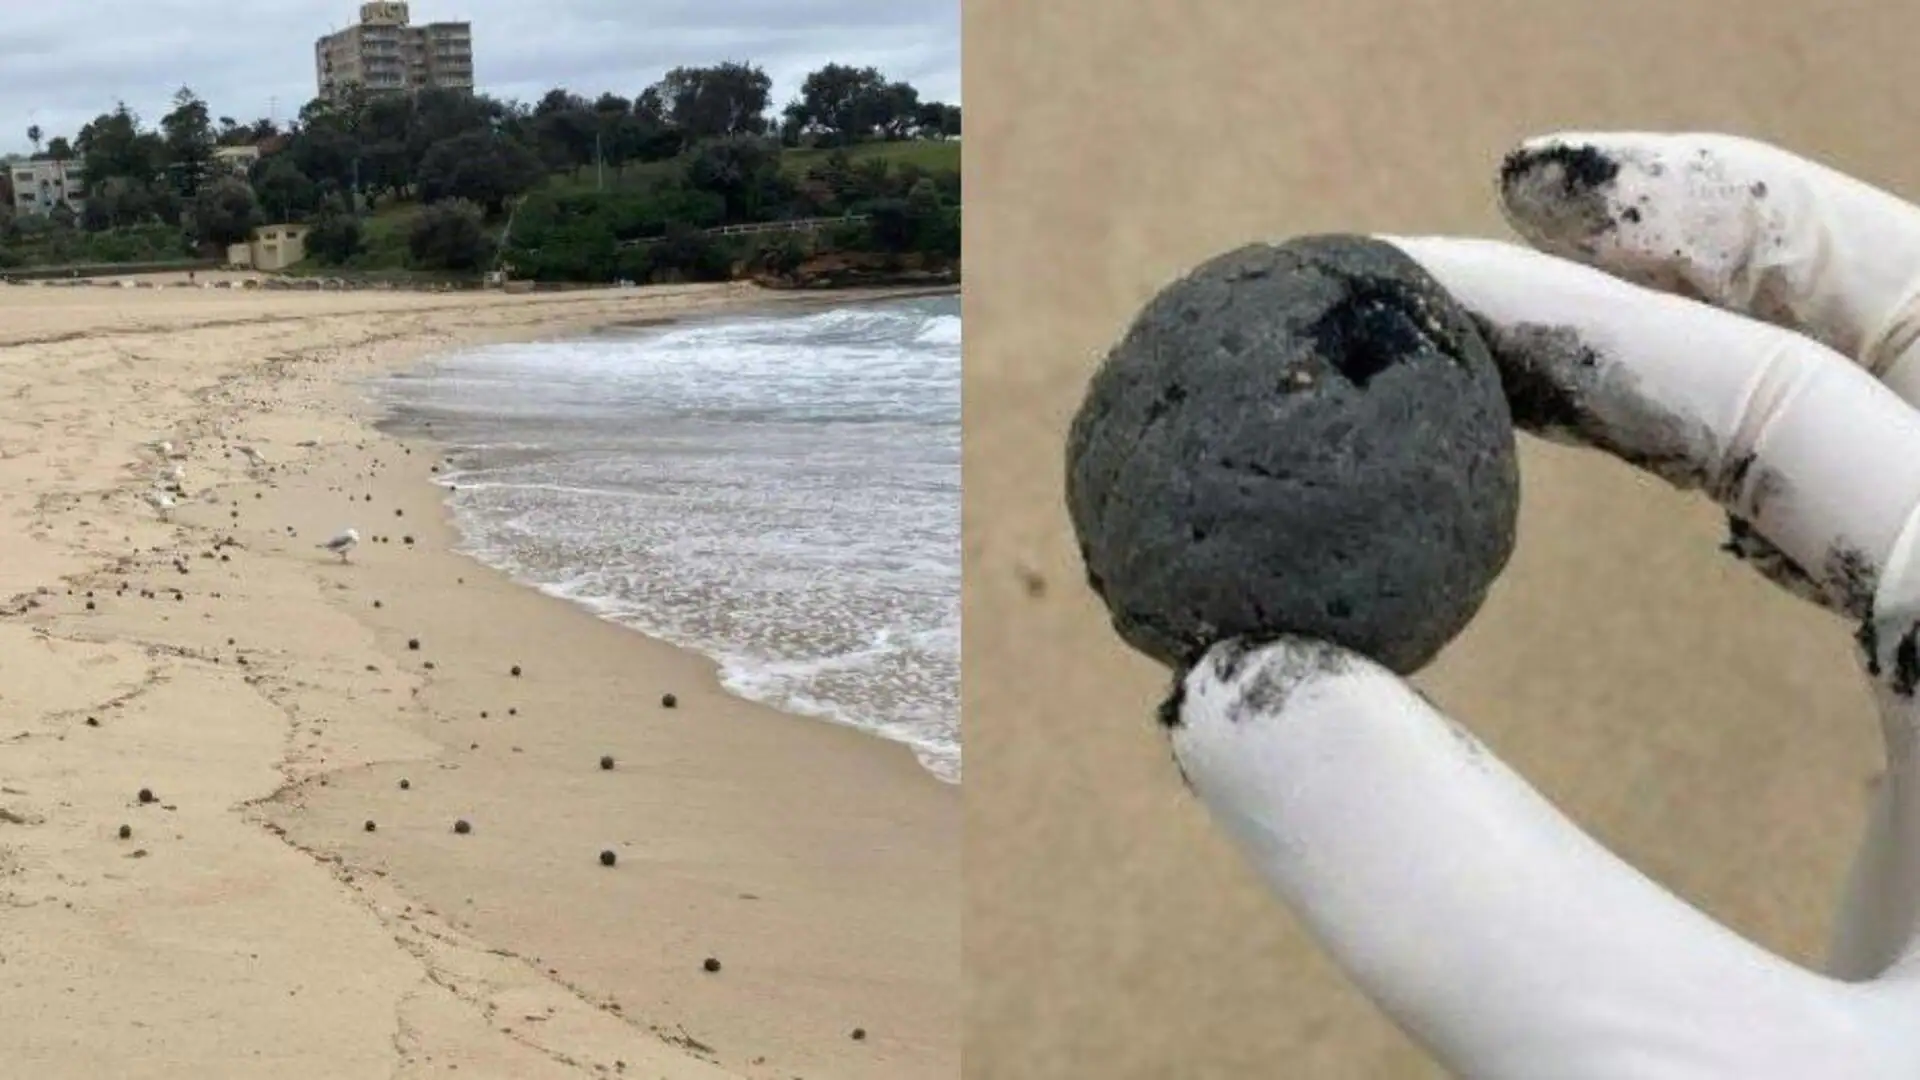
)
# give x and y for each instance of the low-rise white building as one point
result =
(237, 159)
(39, 186)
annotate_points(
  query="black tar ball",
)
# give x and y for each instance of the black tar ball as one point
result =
(668, 701)
(1305, 438)
(606, 761)
(146, 796)
(608, 858)
(126, 831)
(711, 964)
(463, 827)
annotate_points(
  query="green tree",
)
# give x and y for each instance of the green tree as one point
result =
(744, 171)
(937, 120)
(449, 236)
(112, 202)
(225, 212)
(285, 193)
(896, 110)
(649, 105)
(59, 149)
(845, 104)
(565, 130)
(439, 115)
(326, 155)
(479, 167)
(33, 136)
(342, 112)
(189, 142)
(113, 144)
(709, 102)
(386, 152)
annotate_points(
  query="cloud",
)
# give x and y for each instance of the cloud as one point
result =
(67, 63)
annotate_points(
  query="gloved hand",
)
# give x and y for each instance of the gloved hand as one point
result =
(1738, 321)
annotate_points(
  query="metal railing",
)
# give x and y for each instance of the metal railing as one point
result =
(806, 225)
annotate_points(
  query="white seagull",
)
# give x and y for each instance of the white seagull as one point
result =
(343, 543)
(161, 502)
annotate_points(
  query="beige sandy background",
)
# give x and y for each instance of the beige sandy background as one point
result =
(268, 697)
(1711, 730)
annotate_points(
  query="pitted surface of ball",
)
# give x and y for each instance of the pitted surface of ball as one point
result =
(1305, 438)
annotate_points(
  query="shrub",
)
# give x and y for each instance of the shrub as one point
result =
(850, 236)
(687, 254)
(782, 254)
(449, 235)
(335, 238)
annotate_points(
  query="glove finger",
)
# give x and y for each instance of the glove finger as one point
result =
(1466, 906)
(1810, 453)
(1740, 224)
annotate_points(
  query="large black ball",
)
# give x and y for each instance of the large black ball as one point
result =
(1304, 438)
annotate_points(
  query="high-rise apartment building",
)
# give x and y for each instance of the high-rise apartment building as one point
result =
(386, 54)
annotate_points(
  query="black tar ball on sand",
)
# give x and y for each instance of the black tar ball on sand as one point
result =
(1305, 438)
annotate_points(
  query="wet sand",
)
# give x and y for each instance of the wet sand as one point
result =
(270, 700)
(1712, 730)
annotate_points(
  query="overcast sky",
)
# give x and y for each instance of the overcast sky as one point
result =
(66, 63)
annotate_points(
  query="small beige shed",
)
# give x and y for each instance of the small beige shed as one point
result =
(272, 247)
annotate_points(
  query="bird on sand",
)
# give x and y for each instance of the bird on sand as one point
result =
(343, 543)
(161, 502)
(253, 456)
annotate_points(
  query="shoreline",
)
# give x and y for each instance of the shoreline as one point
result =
(401, 425)
(450, 939)
(718, 666)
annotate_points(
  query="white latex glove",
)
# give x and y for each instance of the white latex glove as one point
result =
(1485, 923)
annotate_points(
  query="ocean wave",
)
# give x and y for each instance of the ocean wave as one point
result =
(779, 493)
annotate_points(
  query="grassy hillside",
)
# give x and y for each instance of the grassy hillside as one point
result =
(386, 228)
(928, 154)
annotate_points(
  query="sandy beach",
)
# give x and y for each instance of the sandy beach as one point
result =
(1713, 731)
(293, 898)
